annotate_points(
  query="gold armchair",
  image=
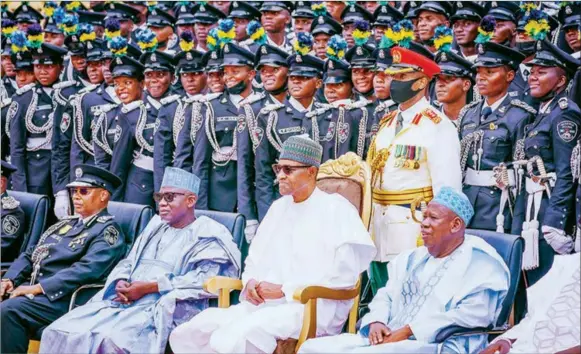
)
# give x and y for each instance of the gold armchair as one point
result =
(349, 176)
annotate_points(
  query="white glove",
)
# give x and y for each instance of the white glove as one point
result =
(578, 240)
(61, 204)
(250, 230)
(561, 243)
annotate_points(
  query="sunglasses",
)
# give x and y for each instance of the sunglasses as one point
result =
(81, 190)
(287, 170)
(168, 196)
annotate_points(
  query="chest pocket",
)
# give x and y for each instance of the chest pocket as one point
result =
(497, 143)
(225, 128)
(538, 142)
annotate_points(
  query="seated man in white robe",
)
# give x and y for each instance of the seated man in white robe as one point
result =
(308, 237)
(453, 280)
(552, 324)
(160, 283)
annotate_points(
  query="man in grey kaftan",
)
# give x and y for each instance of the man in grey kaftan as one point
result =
(158, 286)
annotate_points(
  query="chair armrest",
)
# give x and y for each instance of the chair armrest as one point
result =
(462, 331)
(84, 287)
(222, 286)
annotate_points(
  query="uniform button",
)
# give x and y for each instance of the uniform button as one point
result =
(565, 210)
(226, 129)
(40, 274)
(561, 223)
(214, 167)
(536, 147)
(38, 156)
(43, 116)
(143, 186)
(491, 138)
(491, 192)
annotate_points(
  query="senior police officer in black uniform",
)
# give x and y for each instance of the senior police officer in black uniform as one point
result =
(75, 251)
(12, 218)
(546, 200)
(489, 130)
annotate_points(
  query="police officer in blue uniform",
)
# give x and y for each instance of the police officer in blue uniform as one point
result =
(31, 123)
(546, 197)
(384, 17)
(276, 122)
(303, 16)
(349, 17)
(489, 130)
(25, 15)
(132, 159)
(12, 218)
(62, 135)
(75, 251)
(332, 125)
(162, 24)
(205, 18)
(176, 109)
(8, 83)
(242, 13)
(127, 74)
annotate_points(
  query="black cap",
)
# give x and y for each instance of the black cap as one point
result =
(93, 18)
(386, 15)
(326, 25)
(468, 10)
(361, 56)
(74, 45)
(411, 9)
(452, 64)
(126, 66)
(190, 61)
(48, 54)
(183, 14)
(159, 18)
(276, 6)
(439, 7)
(548, 54)
(207, 14)
(157, 61)
(213, 61)
(270, 55)
(570, 14)
(303, 10)
(7, 169)
(22, 61)
(242, 9)
(121, 11)
(503, 10)
(353, 13)
(25, 13)
(305, 65)
(5, 14)
(134, 51)
(95, 49)
(51, 26)
(492, 54)
(336, 72)
(235, 55)
(166, 6)
(383, 59)
(96, 177)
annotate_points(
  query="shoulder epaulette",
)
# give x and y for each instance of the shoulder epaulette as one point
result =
(63, 84)
(209, 97)
(104, 108)
(105, 218)
(563, 102)
(87, 89)
(169, 99)
(271, 107)
(131, 106)
(5, 102)
(387, 118)
(10, 203)
(321, 108)
(358, 104)
(432, 115)
(70, 217)
(466, 108)
(523, 105)
(252, 98)
(25, 89)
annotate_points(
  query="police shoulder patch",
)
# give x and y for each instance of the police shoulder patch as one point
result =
(169, 99)
(65, 122)
(567, 130)
(10, 224)
(131, 106)
(88, 89)
(63, 84)
(523, 105)
(111, 235)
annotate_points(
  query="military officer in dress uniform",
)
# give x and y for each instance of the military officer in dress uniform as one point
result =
(75, 251)
(127, 75)
(415, 152)
(31, 122)
(12, 216)
(546, 197)
(331, 124)
(277, 122)
(489, 130)
(175, 109)
(132, 159)
(62, 135)
(454, 83)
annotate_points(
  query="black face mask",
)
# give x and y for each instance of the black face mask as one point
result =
(237, 89)
(527, 48)
(282, 89)
(401, 91)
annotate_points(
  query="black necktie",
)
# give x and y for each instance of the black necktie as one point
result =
(487, 111)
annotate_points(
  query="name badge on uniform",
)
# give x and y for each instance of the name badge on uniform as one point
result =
(79, 240)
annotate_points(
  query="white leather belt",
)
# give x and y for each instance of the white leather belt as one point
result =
(34, 143)
(485, 178)
(144, 162)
